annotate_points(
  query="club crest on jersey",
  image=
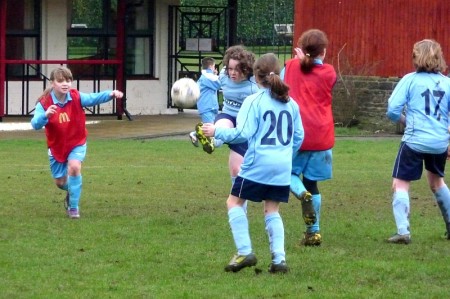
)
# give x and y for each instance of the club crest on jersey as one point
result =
(63, 118)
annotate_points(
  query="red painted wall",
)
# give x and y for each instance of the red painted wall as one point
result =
(374, 37)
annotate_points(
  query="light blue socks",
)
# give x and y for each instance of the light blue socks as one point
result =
(75, 183)
(218, 142)
(317, 203)
(239, 228)
(401, 208)
(275, 231)
(297, 186)
(442, 196)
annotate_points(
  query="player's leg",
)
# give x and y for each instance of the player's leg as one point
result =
(210, 143)
(401, 211)
(235, 159)
(312, 236)
(275, 231)
(299, 162)
(225, 121)
(75, 179)
(206, 117)
(408, 167)
(238, 221)
(317, 168)
(234, 164)
(442, 195)
(206, 142)
(59, 174)
(435, 166)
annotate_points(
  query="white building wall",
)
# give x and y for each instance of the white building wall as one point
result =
(149, 97)
(144, 97)
(54, 31)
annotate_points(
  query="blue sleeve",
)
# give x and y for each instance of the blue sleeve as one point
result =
(246, 125)
(92, 99)
(282, 73)
(212, 82)
(299, 132)
(398, 99)
(39, 119)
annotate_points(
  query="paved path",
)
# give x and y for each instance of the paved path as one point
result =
(141, 127)
(109, 127)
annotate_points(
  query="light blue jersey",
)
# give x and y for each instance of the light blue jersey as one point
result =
(425, 97)
(234, 93)
(209, 84)
(274, 131)
(87, 100)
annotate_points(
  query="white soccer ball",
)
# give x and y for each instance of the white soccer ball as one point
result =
(185, 93)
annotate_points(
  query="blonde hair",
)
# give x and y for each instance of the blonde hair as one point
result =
(59, 74)
(427, 57)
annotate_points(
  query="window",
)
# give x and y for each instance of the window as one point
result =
(139, 31)
(92, 34)
(22, 34)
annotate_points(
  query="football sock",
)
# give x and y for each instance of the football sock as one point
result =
(275, 231)
(297, 186)
(75, 184)
(218, 142)
(317, 202)
(244, 206)
(443, 199)
(239, 228)
(400, 206)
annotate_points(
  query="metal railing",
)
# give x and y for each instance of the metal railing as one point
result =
(31, 82)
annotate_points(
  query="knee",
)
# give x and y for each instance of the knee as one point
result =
(234, 171)
(74, 168)
(234, 201)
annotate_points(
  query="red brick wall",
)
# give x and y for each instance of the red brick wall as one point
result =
(375, 37)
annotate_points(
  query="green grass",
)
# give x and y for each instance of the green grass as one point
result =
(154, 225)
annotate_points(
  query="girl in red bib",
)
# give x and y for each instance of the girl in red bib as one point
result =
(60, 110)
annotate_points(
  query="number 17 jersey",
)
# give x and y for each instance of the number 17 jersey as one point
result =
(424, 99)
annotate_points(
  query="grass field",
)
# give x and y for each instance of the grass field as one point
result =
(154, 225)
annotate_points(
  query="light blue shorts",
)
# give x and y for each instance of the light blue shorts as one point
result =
(59, 170)
(314, 165)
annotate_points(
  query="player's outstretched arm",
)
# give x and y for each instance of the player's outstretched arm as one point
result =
(92, 99)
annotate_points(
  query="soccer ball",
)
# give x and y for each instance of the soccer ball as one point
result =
(185, 93)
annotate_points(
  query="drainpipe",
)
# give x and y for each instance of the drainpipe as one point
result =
(2, 57)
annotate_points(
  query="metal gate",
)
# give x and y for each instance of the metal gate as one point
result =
(194, 33)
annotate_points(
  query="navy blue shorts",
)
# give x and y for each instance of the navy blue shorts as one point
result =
(239, 148)
(257, 192)
(409, 164)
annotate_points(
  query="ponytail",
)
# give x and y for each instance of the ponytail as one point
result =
(267, 74)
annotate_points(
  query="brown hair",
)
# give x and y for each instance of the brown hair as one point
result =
(59, 74)
(207, 62)
(312, 42)
(427, 57)
(267, 73)
(245, 58)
